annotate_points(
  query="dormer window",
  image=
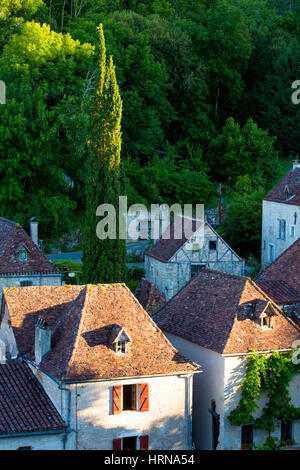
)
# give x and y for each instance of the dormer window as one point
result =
(119, 339)
(266, 322)
(121, 347)
(23, 255)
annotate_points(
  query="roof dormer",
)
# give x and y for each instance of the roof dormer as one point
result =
(22, 252)
(119, 339)
(266, 317)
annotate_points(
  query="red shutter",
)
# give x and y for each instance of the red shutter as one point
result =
(144, 442)
(117, 395)
(117, 444)
(144, 397)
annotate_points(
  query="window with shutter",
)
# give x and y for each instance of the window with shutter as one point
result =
(144, 397)
(117, 399)
(144, 442)
(117, 444)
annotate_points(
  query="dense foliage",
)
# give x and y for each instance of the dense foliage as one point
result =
(271, 374)
(206, 91)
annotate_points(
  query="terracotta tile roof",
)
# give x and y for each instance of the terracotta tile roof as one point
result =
(166, 247)
(24, 405)
(149, 296)
(81, 346)
(219, 311)
(292, 181)
(13, 238)
(281, 279)
(26, 304)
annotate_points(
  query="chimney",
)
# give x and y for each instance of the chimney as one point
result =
(296, 162)
(34, 230)
(42, 343)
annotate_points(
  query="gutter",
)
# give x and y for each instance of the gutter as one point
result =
(38, 433)
(257, 352)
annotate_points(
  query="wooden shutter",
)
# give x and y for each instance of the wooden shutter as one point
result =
(144, 397)
(117, 444)
(144, 442)
(117, 399)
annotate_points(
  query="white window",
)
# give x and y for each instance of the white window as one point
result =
(292, 231)
(281, 229)
(121, 347)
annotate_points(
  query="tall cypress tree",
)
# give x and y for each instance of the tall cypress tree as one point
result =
(104, 260)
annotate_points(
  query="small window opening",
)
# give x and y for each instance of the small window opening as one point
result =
(129, 397)
(25, 283)
(23, 255)
(266, 322)
(129, 443)
(213, 245)
(121, 347)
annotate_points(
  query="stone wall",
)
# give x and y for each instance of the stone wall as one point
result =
(172, 276)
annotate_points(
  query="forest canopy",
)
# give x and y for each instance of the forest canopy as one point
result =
(206, 92)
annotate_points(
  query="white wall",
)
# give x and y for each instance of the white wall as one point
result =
(166, 423)
(272, 211)
(208, 385)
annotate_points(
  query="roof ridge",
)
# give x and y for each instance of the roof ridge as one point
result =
(73, 348)
(148, 317)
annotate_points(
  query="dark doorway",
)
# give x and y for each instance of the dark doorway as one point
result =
(247, 436)
(129, 443)
(286, 431)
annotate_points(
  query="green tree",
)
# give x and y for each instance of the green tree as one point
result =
(242, 226)
(244, 150)
(104, 260)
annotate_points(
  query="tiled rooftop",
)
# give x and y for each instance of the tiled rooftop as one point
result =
(24, 405)
(219, 311)
(82, 319)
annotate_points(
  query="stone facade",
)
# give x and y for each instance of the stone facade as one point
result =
(173, 275)
(40, 279)
(34, 442)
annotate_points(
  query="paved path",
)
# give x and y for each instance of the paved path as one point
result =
(77, 255)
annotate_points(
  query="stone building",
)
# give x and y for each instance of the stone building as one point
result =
(219, 320)
(21, 261)
(281, 216)
(104, 364)
(171, 262)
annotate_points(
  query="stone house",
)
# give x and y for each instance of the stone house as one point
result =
(219, 320)
(281, 216)
(21, 261)
(104, 364)
(171, 262)
(28, 418)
